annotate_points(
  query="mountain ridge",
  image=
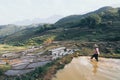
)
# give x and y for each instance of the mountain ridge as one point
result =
(103, 26)
(73, 18)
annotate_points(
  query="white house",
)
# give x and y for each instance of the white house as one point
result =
(58, 51)
(61, 51)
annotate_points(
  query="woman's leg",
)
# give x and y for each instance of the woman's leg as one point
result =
(92, 56)
(96, 57)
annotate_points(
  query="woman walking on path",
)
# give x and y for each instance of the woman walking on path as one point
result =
(96, 53)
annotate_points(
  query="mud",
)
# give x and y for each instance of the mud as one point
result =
(83, 68)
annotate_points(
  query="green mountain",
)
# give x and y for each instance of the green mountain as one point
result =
(27, 35)
(100, 25)
(8, 29)
(75, 19)
(11, 29)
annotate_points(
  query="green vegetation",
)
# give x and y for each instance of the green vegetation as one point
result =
(7, 48)
(22, 38)
(8, 29)
(107, 49)
(105, 13)
(5, 67)
(100, 25)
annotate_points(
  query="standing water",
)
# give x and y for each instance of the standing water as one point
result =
(83, 68)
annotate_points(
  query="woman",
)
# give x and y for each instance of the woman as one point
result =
(96, 53)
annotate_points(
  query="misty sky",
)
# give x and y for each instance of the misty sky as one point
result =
(17, 10)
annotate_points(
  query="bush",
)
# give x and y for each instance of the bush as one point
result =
(1, 72)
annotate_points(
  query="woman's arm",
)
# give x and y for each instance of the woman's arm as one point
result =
(97, 50)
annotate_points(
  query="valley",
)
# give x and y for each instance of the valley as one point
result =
(50, 51)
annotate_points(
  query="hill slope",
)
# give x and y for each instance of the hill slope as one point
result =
(100, 25)
(76, 18)
(10, 29)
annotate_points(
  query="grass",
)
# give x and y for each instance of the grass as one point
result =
(4, 48)
(5, 67)
(117, 56)
(89, 52)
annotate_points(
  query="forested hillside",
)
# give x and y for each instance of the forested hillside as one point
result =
(100, 25)
(104, 13)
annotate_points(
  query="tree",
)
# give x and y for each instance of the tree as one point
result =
(91, 21)
(94, 20)
(110, 16)
(119, 12)
(83, 22)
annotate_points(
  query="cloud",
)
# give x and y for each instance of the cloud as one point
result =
(116, 5)
(28, 2)
(12, 10)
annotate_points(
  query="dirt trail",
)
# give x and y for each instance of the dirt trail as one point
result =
(83, 68)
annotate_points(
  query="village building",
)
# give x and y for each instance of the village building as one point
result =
(59, 52)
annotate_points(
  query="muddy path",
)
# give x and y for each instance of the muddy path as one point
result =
(83, 68)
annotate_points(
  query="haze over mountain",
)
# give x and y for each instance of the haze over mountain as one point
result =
(51, 20)
(99, 25)
(20, 25)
